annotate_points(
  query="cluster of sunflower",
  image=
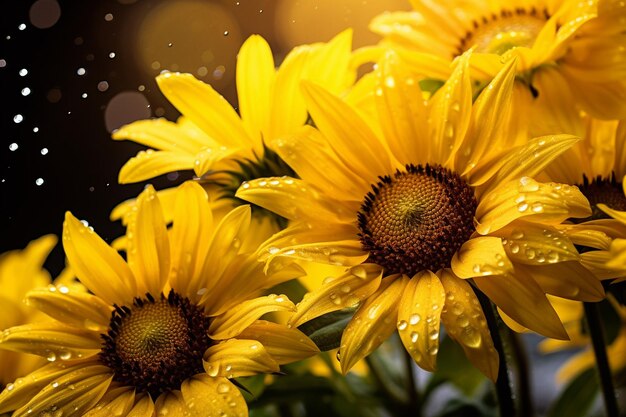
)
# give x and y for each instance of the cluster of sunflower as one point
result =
(470, 177)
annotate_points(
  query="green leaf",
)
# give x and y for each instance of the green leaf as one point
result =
(294, 388)
(325, 331)
(454, 367)
(578, 397)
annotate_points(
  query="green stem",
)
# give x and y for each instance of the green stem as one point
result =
(596, 330)
(414, 404)
(523, 375)
(503, 383)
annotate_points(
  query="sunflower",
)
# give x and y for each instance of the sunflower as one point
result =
(225, 148)
(597, 165)
(21, 271)
(163, 332)
(565, 44)
(419, 204)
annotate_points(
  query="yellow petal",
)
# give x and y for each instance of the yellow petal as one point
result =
(150, 164)
(466, 324)
(449, 115)
(52, 340)
(76, 308)
(293, 199)
(72, 394)
(418, 318)
(537, 244)
(618, 252)
(549, 203)
(17, 394)
(489, 120)
(142, 408)
(402, 111)
(192, 225)
(373, 322)
(255, 81)
(344, 127)
(212, 397)
(204, 106)
(238, 357)
(569, 280)
(480, 257)
(336, 293)
(207, 158)
(116, 402)
(329, 63)
(284, 344)
(148, 245)
(171, 403)
(521, 298)
(233, 322)
(96, 264)
(159, 134)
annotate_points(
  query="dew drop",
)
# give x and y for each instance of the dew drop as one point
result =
(51, 357)
(514, 248)
(402, 325)
(414, 319)
(537, 207)
(414, 337)
(223, 388)
(522, 207)
(433, 350)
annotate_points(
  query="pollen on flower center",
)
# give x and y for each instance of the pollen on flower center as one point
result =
(603, 190)
(498, 33)
(155, 345)
(417, 219)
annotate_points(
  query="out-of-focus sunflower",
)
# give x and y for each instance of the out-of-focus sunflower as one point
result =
(597, 165)
(567, 44)
(161, 333)
(430, 198)
(572, 313)
(223, 147)
(20, 272)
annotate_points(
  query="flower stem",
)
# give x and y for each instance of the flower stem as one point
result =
(503, 383)
(414, 404)
(596, 330)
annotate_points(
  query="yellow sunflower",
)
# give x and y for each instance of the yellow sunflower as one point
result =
(572, 313)
(416, 206)
(563, 44)
(161, 333)
(20, 272)
(597, 164)
(225, 147)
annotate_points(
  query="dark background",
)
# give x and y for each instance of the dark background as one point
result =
(90, 68)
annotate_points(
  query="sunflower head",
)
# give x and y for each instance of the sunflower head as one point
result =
(416, 219)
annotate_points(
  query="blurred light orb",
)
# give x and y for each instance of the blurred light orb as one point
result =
(124, 108)
(307, 21)
(44, 14)
(188, 36)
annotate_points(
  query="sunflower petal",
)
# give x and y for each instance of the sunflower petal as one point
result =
(159, 134)
(419, 313)
(192, 224)
(568, 280)
(144, 407)
(549, 203)
(96, 264)
(116, 402)
(481, 256)
(149, 164)
(205, 107)
(52, 340)
(449, 115)
(233, 322)
(71, 394)
(255, 81)
(354, 286)
(238, 357)
(344, 127)
(521, 298)
(171, 404)
(373, 322)
(212, 397)
(284, 344)
(466, 324)
(148, 245)
(76, 308)
(207, 158)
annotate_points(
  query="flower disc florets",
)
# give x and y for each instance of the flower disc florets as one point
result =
(417, 219)
(155, 345)
(603, 190)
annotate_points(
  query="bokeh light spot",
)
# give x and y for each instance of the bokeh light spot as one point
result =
(124, 108)
(44, 13)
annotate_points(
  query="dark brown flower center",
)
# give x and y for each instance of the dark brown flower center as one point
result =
(602, 190)
(155, 345)
(498, 33)
(417, 219)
